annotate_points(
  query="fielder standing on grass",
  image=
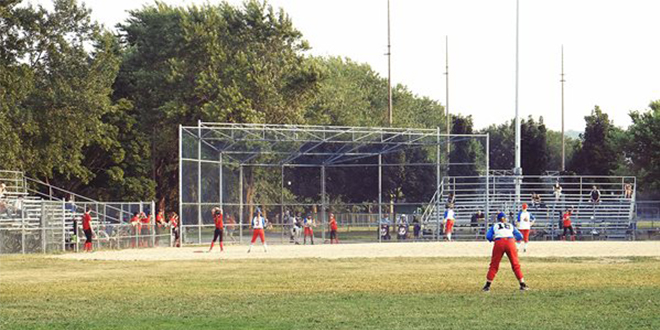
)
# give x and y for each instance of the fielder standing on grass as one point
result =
(219, 228)
(525, 222)
(448, 221)
(258, 224)
(503, 234)
(308, 223)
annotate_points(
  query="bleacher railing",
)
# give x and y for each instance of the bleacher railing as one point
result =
(612, 216)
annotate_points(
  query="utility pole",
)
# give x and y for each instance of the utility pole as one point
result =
(517, 171)
(563, 137)
(389, 67)
(447, 93)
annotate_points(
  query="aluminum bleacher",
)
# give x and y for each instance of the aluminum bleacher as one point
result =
(611, 218)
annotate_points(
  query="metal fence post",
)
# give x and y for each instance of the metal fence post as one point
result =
(22, 232)
(63, 226)
(152, 223)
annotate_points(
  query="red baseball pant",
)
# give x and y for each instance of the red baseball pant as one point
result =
(525, 233)
(258, 233)
(502, 246)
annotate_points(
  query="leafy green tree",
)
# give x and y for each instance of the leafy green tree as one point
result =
(57, 75)
(211, 63)
(644, 148)
(534, 148)
(463, 156)
(597, 154)
(502, 142)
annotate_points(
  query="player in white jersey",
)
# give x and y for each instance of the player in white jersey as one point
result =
(525, 222)
(448, 220)
(504, 235)
(258, 224)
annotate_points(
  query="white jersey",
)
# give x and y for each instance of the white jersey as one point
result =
(503, 230)
(258, 222)
(525, 220)
(449, 214)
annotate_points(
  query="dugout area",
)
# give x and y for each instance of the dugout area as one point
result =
(360, 174)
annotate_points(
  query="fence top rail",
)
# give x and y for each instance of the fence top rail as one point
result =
(326, 129)
(523, 177)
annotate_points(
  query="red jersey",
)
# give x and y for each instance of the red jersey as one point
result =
(219, 224)
(333, 224)
(87, 221)
(145, 220)
(173, 222)
(159, 219)
(135, 219)
(567, 220)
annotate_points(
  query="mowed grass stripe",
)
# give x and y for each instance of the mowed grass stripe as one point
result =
(398, 293)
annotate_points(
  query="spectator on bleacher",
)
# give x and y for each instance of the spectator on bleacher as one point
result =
(537, 201)
(628, 191)
(595, 195)
(451, 199)
(557, 191)
(3, 189)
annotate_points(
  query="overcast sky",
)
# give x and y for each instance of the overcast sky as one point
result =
(611, 50)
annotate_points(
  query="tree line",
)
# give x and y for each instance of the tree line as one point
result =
(97, 111)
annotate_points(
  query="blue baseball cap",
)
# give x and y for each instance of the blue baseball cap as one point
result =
(501, 216)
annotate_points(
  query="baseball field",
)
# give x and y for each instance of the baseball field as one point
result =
(574, 285)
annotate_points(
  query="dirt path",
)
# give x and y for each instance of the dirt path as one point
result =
(375, 250)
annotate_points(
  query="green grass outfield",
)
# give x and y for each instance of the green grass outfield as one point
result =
(37, 292)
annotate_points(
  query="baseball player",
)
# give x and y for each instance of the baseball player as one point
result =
(87, 229)
(219, 228)
(568, 225)
(525, 222)
(503, 234)
(448, 221)
(308, 223)
(333, 229)
(258, 224)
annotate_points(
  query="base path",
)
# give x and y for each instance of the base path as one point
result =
(376, 250)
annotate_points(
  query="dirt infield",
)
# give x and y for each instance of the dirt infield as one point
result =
(375, 250)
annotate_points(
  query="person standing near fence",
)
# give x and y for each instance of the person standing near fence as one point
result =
(448, 221)
(258, 224)
(308, 223)
(87, 229)
(525, 223)
(219, 228)
(174, 225)
(504, 235)
(568, 225)
(333, 229)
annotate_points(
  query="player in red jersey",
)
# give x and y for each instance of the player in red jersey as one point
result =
(333, 229)
(568, 225)
(219, 227)
(87, 228)
(505, 236)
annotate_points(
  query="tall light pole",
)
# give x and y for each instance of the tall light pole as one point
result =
(389, 67)
(447, 93)
(517, 171)
(563, 137)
